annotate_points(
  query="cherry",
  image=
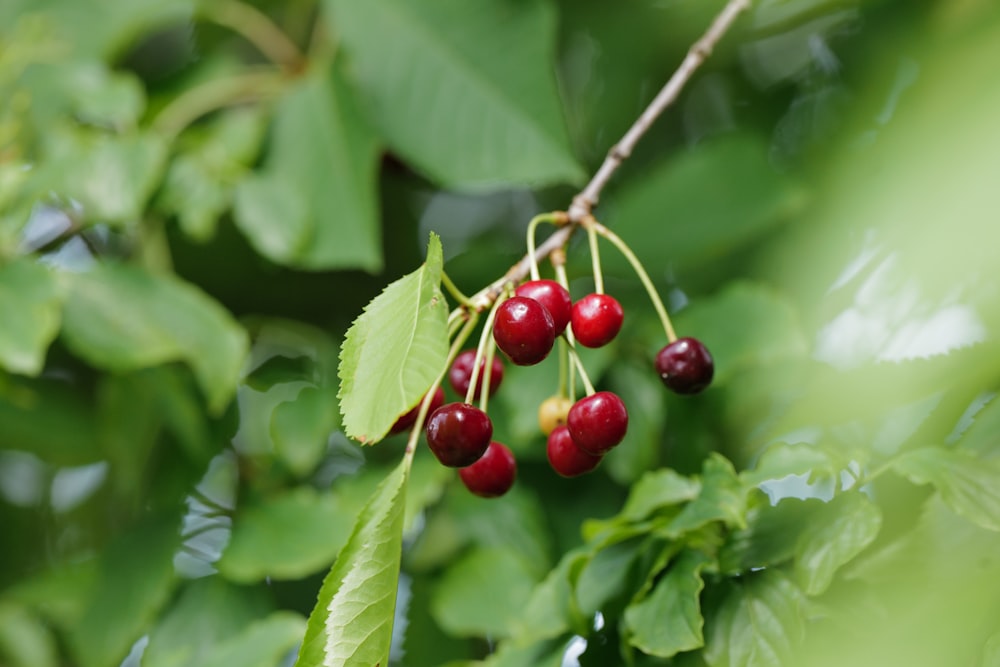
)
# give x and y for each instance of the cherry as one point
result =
(553, 296)
(405, 421)
(523, 330)
(460, 374)
(685, 366)
(458, 434)
(552, 413)
(597, 422)
(596, 319)
(493, 474)
(565, 457)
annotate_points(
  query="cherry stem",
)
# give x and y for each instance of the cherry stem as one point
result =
(617, 241)
(558, 258)
(595, 254)
(532, 228)
(257, 28)
(484, 338)
(456, 347)
(456, 319)
(454, 291)
(583, 371)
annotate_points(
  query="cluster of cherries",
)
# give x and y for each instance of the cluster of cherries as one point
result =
(525, 328)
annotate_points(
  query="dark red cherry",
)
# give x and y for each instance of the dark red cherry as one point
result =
(597, 422)
(685, 366)
(458, 434)
(565, 457)
(460, 374)
(596, 319)
(493, 474)
(553, 296)
(523, 330)
(406, 421)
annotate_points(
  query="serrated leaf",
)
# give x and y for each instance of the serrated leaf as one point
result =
(314, 204)
(722, 498)
(605, 575)
(758, 624)
(122, 318)
(289, 536)
(770, 536)
(551, 610)
(499, 575)
(838, 533)
(451, 95)
(969, 485)
(351, 624)
(394, 351)
(30, 302)
(656, 489)
(669, 620)
(782, 459)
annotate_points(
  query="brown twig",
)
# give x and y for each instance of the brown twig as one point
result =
(584, 202)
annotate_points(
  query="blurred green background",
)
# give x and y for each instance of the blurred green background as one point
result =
(198, 197)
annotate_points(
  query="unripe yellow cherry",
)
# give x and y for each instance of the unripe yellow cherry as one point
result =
(552, 413)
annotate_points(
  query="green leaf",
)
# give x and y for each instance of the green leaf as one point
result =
(656, 489)
(109, 177)
(782, 459)
(274, 215)
(394, 351)
(453, 95)
(286, 537)
(722, 498)
(207, 612)
(122, 318)
(758, 624)
(771, 534)
(351, 624)
(499, 575)
(26, 424)
(30, 304)
(301, 427)
(25, 641)
(969, 485)
(551, 610)
(264, 643)
(833, 537)
(315, 205)
(135, 580)
(605, 575)
(200, 182)
(702, 225)
(669, 620)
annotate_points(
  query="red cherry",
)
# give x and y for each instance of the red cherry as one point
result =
(553, 296)
(523, 330)
(406, 421)
(565, 457)
(493, 474)
(458, 434)
(597, 422)
(596, 319)
(685, 366)
(460, 374)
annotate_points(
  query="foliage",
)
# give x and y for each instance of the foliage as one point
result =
(198, 198)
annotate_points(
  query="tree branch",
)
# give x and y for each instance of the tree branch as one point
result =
(584, 202)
